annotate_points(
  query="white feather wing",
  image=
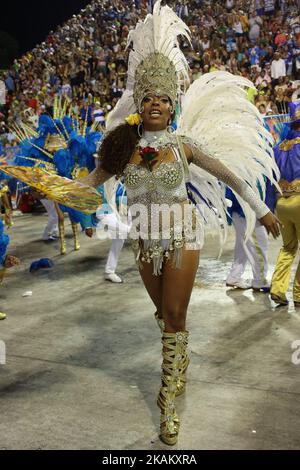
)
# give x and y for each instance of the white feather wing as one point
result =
(217, 115)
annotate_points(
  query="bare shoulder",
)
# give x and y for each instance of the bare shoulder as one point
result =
(102, 172)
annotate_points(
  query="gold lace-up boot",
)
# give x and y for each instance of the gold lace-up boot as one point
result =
(181, 381)
(75, 235)
(61, 227)
(174, 347)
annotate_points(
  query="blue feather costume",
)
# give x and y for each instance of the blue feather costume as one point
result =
(62, 147)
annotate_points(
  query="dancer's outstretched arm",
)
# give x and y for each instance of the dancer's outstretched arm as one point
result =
(96, 177)
(216, 168)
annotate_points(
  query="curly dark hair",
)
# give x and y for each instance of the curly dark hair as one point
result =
(117, 148)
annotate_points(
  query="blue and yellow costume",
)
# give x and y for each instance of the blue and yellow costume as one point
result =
(287, 155)
(63, 146)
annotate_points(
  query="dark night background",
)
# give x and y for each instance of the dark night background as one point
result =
(25, 24)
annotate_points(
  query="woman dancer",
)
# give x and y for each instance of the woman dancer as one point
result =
(154, 164)
(164, 172)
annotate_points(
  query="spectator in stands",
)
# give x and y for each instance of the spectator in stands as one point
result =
(269, 8)
(278, 68)
(255, 24)
(85, 57)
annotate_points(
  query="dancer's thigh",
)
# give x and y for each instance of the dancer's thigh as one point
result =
(153, 284)
(178, 284)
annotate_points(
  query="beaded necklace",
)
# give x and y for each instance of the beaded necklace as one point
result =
(156, 139)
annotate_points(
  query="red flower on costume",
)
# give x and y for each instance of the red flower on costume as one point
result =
(148, 155)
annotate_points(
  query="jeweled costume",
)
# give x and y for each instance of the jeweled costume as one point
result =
(287, 155)
(164, 185)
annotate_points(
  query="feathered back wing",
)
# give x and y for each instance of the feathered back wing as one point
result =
(224, 124)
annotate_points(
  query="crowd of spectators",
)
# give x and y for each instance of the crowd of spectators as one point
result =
(85, 58)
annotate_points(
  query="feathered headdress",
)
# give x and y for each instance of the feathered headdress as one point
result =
(156, 63)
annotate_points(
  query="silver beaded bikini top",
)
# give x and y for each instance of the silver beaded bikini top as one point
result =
(165, 184)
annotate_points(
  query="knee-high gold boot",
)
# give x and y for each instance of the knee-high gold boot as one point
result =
(61, 228)
(174, 346)
(184, 363)
(75, 235)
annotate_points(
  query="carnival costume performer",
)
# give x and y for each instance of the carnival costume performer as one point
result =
(66, 147)
(287, 156)
(113, 224)
(254, 250)
(218, 129)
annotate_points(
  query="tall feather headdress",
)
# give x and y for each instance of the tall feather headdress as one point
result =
(156, 63)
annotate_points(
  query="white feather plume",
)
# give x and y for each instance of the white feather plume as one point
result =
(124, 107)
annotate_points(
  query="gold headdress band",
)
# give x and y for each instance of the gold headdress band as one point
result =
(156, 74)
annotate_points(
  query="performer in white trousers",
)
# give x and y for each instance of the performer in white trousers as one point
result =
(51, 230)
(112, 261)
(254, 251)
(110, 225)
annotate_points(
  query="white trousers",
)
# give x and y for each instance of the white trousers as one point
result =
(113, 256)
(52, 225)
(111, 223)
(253, 251)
